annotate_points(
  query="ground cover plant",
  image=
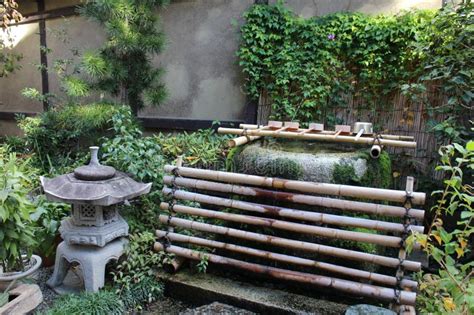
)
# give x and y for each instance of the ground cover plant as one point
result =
(451, 288)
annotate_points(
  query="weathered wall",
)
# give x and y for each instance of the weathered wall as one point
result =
(308, 8)
(201, 71)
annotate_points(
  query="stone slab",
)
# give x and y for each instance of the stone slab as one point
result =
(28, 297)
(199, 289)
(216, 308)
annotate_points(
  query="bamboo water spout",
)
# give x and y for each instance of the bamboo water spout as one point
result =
(316, 136)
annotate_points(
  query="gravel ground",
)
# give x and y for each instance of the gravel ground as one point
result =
(166, 306)
(48, 295)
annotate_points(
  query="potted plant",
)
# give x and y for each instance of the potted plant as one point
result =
(17, 233)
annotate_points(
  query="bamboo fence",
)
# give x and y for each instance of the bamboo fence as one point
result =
(387, 294)
(296, 222)
(300, 186)
(292, 244)
(292, 213)
(350, 272)
(325, 202)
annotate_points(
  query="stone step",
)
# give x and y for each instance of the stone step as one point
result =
(200, 289)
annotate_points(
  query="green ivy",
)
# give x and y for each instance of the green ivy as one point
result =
(307, 68)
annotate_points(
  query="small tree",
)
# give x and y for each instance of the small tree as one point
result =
(122, 66)
(8, 60)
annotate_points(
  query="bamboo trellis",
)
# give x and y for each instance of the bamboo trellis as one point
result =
(204, 183)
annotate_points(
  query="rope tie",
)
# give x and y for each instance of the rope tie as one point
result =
(245, 134)
(172, 202)
(404, 235)
(377, 138)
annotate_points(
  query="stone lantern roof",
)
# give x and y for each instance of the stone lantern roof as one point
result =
(93, 184)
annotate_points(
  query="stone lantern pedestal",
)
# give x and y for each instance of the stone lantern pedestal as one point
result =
(95, 232)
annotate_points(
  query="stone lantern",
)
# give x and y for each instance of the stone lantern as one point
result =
(95, 232)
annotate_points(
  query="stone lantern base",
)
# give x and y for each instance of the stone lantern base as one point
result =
(92, 260)
(92, 235)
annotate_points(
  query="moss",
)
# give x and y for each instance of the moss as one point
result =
(231, 160)
(283, 168)
(344, 173)
(379, 171)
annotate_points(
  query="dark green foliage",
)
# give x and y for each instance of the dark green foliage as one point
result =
(450, 69)
(16, 210)
(123, 65)
(129, 152)
(59, 137)
(140, 262)
(142, 293)
(98, 303)
(344, 173)
(379, 172)
(309, 67)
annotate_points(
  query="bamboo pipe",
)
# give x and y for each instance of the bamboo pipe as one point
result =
(350, 272)
(338, 284)
(244, 139)
(241, 141)
(300, 186)
(293, 244)
(316, 136)
(390, 137)
(175, 264)
(384, 240)
(375, 151)
(347, 205)
(291, 213)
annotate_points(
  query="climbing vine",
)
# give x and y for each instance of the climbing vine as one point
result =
(306, 67)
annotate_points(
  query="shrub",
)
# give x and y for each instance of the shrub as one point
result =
(139, 263)
(59, 136)
(16, 210)
(123, 65)
(307, 68)
(452, 288)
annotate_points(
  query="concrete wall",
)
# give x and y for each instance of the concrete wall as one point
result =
(309, 8)
(201, 71)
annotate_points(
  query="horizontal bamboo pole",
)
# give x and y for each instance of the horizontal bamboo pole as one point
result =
(241, 141)
(350, 272)
(384, 240)
(386, 294)
(347, 205)
(316, 136)
(292, 213)
(384, 136)
(293, 244)
(300, 186)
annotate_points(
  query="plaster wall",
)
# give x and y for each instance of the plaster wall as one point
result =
(201, 71)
